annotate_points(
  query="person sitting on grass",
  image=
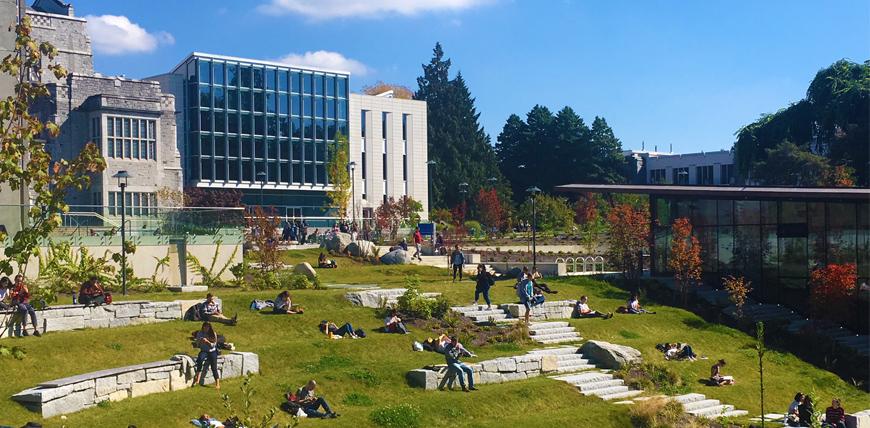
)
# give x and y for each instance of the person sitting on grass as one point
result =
(212, 312)
(331, 330)
(835, 416)
(634, 306)
(394, 324)
(536, 277)
(716, 376)
(806, 412)
(207, 340)
(581, 310)
(525, 293)
(679, 351)
(283, 305)
(452, 353)
(324, 263)
(20, 296)
(792, 417)
(92, 292)
(311, 404)
(537, 296)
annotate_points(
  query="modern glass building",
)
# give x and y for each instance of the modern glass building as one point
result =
(260, 127)
(772, 236)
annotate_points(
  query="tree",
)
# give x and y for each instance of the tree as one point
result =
(629, 239)
(831, 291)
(832, 122)
(685, 255)
(457, 142)
(738, 289)
(339, 197)
(760, 350)
(492, 212)
(25, 163)
(391, 214)
(586, 209)
(553, 213)
(262, 232)
(788, 164)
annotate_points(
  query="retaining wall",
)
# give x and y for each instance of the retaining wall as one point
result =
(490, 371)
(549, 310)
(68, 395)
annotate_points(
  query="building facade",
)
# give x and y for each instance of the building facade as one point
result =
(131, 121)
(10, 200)
(388, 146)
(701, 169)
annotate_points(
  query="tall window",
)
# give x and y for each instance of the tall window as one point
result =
(137, 203)
(657, 176)
(726, 174)
(704, 174)
(385, 118)
(680, 176)
(405, 121)
(131, 138)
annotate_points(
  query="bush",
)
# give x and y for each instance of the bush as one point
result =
(475, 229)
(412, 304)
(398, 416)
(655, 413)
(649, 375)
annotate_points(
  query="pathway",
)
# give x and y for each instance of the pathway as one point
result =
(546, 332)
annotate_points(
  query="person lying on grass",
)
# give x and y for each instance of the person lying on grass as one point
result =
(283, 305)
(677, 351)
(333, 331)
(324, 263)
(716, 376)
(394, 324)
(581, 310)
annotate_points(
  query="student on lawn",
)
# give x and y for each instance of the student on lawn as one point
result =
(207, 339)
(581, 310)
(716, 376)
(484, 282)
(525, 292)
(283, 305)
(20, 297)
(452, 353)
(792, 417)
(805, 411)
(324, 263)
(92, 292)
(394, 324)
(213, 312)
(679, 351)
(311, 404)
(835, 416)
(537, 296)
(330, 329)
(457, 260)
(634, 306)
(536, 277)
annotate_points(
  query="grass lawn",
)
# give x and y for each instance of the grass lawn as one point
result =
(358, 376)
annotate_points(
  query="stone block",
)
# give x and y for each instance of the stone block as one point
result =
(157, 375)
(489, 365)
(609, 355)
(178, 381)
(188, 289)
(168, 315)
(97, 323)
(65, 323)
(100, 312)
(106, 385)
(507, 365)
(514, 376)
(127, 311)
(489, 377)
(549, 363)
(119, 322)
(422, 378)
(140, 389)
(69, 403)
(529, 366)
(132, 377)
(121, 394)
(250, 362)
(305, 268)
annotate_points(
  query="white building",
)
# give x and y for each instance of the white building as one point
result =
(388, 146)
(704, 168)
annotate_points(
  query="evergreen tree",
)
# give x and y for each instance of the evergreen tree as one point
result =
(457, 143)
(609, 164)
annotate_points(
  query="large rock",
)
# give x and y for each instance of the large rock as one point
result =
(360, 248)
(305, 268)
(610, 356)
(337, 242)
(396, 257)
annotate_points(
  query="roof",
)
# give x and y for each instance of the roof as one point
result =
(746, 192)
(258, 62)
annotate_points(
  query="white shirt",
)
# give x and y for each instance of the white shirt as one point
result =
(583, 308)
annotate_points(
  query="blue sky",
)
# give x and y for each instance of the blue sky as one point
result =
(683, 73)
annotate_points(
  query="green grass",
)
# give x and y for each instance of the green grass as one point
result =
(360, 377)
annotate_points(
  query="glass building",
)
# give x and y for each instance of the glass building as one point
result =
(260, 127)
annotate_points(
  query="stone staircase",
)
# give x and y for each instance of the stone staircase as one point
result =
(568, 358)
(699, 405)
(480, 315)
(600, 384)
(553, 332)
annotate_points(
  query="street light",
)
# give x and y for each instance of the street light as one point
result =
(463, 190)
(533, 191)
(492, 181)
(261, 177)
(352, 166)
(431, 164)
(122, 177)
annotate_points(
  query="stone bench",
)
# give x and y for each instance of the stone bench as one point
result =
(497, 370)
(380, 297)
(72, 317)
(549, 310)
(71, 394)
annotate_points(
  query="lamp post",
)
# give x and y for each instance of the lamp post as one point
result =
(352, 166)
(533, 191)
(492, 181)
(431, 164)
(261, 177)
(122, 177)
(463, 190)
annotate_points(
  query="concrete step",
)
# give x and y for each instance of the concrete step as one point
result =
(576, 379)
(688, 398)
(605, 390)
(558, 330)
(734, 413)
(712, 412)
(562, 350)
(591, 386)
(557, 338)
(700, 404)
(545, 325)
(574, 368)
(571, 359)
(618, 395)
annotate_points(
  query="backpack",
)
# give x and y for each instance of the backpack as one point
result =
(360, 332)
(256, 305)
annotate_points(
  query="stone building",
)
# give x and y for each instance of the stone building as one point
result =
(10, 212)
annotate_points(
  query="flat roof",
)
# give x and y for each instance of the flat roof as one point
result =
(851, 193)
(258, 62)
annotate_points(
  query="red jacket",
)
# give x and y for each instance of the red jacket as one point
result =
(418, 237)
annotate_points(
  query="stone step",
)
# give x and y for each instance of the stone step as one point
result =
(491, 317)
(574, 368)
(618, 395)
(559, 330)
(576, 379)
(545, 325)
(590, 386)
(700, 404)
(734, 413)
(712, 412)
(558, 338)
(571, 358)
(562, 350)
(688, 398)
(605, 390)
(477, 313)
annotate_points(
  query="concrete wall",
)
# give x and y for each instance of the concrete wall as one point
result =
(10, 213)
(72, 317)
(490, 371)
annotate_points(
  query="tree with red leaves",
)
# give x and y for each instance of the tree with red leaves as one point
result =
(629, 237)
(831, 290)
(685, 255)
(586, 209)
(492, 212)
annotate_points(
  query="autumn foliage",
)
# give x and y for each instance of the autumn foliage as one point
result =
(262, 231)
(492, 212)
(685, 256)
(586, 209)
(738, 289)
(831, 291)
(629, 237)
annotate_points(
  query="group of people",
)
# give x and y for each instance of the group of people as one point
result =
(530, 290)
(801, 413)
(295, 231)
(677, 351)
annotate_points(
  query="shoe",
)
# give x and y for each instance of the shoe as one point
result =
(37, 333)
(473, 388)
(25, 333)
(464, 389)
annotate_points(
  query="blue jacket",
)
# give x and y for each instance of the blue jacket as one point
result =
(457, 258)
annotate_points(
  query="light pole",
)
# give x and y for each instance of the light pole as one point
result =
(352, 166)
(463, 190)
(261, 177)
(492, 181)
(533, 191)
(431, 164)
(122, 177)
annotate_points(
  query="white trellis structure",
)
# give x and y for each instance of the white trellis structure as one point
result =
(582, 265)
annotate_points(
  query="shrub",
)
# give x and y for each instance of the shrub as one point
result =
(398, 416)
(832, 288)
(655, 413)
(649, 375)
(413, 304)
(475, 229)
(738, 288)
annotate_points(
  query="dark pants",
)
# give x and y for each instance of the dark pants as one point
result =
(24, 309)
(687, 352)
(543, 287)
(457, 268)
(312, 409)
(593, 314)
(837, 424)
(203, 361)
(344, 330)
(537, 300)
(99, 299)
(397, 327)
(485, 292)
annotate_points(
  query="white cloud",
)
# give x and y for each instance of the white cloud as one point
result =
(117, 35)
(328, 9)
(326, 59)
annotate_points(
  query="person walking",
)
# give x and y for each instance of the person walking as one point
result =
(525, 291)
(418, 243)
(484, 282)
(457, 259)
(206, 339)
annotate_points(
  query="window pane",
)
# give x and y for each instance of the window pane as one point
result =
(218, 73)
(296, 127)
(219, 121)
(233, 147)
(307, 106)
(283, 104)
(258, 78)
(247, 147)
(342, 87)
(318, 84)
(219, 99)
(282, 81)
(233, 99)
(297, 150)
(306, 83)
(270, 78)
(318, 107)
(232, 75)
(204, 71)
(233, 123)
(234, 170)
(246, 76)
(205, 95)
(271, 103)
(220, 145)
(258, 102)
(247, 171)
(205, 120)
(220, 173)
(295, 105)
(284, 126)
(207, 173)
(206, 145)
(246, 100)
(329, 81)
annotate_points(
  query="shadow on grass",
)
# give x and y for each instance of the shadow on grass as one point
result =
(615, 294)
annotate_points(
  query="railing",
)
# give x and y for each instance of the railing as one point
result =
(582, 264)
